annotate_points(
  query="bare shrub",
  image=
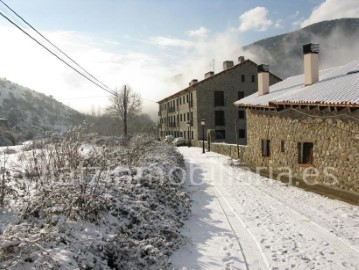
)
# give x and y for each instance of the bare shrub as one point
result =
(70, 186)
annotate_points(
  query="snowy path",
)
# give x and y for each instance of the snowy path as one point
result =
(243, 221)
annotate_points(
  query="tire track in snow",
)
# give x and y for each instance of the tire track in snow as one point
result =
(287, 238)
(250, 249)
(254, 261)
(309, 227)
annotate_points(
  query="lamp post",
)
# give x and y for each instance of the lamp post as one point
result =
(203, 123)
(189, 136)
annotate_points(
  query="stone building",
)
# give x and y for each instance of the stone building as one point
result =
(307, 125)
(211, 99)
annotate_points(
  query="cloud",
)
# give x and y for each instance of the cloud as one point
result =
(26, 63)
(171, 42)
(294, 15)
(254, 19)
(155, 75)
(333, 9)
(278, 23)
(201, 32)
(206, 54)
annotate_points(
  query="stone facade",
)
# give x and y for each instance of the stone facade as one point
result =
(334, 135)
(231, 150)
(200, 101)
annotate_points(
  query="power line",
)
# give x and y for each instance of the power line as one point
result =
(54, 54)
(67, 56)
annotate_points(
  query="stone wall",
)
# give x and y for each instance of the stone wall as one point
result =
(335, 138)
(230, 150)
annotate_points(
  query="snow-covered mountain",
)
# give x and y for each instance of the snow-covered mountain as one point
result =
(338, 39)
(31, 114)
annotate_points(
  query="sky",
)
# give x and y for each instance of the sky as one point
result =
(154, 46)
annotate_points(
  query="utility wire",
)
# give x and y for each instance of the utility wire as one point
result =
(67, 56)
(54, 54)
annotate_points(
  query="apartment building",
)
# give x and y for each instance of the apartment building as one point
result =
(211, 99)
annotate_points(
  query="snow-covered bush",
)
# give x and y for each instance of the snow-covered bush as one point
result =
(96, 206)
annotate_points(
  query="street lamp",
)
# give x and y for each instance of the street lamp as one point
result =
(203, 123)
(189, 137)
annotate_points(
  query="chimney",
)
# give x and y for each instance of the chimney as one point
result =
(311, 63)
(227, 64)
(240, 59)
(263, 79)
(208, 74)
(194, 81)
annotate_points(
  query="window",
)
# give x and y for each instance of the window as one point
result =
(240, 94)
(305, 153)
(242, 133)
(184, 117)
(218, 98)
(219, 118)
(191, 100)
(181, 117)
(241, 115)
(282, 146)
(253, 78)
(191, 119)
(243, 78)
(265, 148)
(188, 119)
(187, 96)
(220, 134)
(192, 135)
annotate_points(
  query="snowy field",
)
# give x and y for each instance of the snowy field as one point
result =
(91, 203)
(244, 221)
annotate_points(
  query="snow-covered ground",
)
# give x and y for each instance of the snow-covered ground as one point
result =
(72, 204)
(244, 221)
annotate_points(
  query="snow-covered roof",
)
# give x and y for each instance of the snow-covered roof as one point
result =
(337, 86)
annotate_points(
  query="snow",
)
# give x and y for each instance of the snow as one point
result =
(335, 86)
(115, 221)
(241, 220)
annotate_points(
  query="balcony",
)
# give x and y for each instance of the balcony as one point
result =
(171, 109)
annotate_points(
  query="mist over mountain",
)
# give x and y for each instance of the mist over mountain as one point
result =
(30, 114)
(338, 39)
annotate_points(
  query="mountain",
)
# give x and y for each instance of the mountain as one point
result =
(31, 114)
(338, 39)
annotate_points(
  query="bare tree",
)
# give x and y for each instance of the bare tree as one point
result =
(125, 103)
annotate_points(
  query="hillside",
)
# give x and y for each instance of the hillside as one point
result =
(338, 39)
(30, 114)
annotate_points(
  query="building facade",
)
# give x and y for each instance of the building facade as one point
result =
(307, 126)
(211, 100)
